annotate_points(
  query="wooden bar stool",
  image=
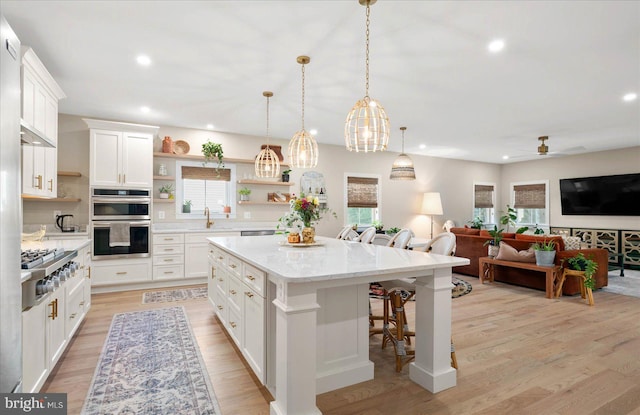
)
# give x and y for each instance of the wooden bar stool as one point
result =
(585, 292)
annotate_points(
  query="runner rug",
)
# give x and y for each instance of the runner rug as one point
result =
(151, 364)
(174, 295)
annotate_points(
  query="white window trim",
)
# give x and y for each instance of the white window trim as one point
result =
(493, 196)
(345, 214)
(179, 197)
(512, 198)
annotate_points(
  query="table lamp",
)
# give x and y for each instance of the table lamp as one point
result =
(431, 205)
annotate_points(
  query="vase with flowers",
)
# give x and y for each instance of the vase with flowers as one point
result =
(305, 210)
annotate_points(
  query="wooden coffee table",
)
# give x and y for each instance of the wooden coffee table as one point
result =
(487, 271)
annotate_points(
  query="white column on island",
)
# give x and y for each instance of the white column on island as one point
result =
(296, 314)
(431, 368)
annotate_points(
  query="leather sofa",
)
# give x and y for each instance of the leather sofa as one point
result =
(470, 244)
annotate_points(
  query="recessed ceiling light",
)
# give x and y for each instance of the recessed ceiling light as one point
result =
(496, 46)
(423, 146)
(210, 126)
(36, 142)
(505, 157)
(143, 60)
(145, 109)
(313, 131)
(631, 96)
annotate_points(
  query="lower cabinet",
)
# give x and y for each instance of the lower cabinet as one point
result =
(56, 334)
(34, 352)
(120, 271)
(236, 291)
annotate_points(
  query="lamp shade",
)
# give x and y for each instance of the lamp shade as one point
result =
(431, 204)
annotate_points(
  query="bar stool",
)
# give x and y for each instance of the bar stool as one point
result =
(585, 292)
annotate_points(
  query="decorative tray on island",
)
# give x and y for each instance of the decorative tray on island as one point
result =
(300, 244)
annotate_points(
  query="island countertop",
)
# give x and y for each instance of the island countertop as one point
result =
(329, 259)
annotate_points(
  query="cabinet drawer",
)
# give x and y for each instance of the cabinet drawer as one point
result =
(168, 238)
(218, 255)
(120, 274)
(168, 249)
(235, 294)
(255, 279)
(168, 260)
(74, 307)
(221, 307)
(234, 265)
(235, 326)
(168, 272)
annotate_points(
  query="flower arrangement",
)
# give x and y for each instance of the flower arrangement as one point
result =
(305, 210)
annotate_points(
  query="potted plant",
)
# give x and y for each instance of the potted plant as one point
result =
(509, 218)
(494, 243)
(586, 265)
(545, 252)
(476, 223)
(378, 225)
(285, 175)
(186, 206)
(211, 152)
(392, 231)
(244, 194)
(165, 190)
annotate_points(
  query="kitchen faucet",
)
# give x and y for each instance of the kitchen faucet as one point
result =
(206, 212)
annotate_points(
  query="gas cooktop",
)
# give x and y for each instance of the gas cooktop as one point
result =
(33, 258)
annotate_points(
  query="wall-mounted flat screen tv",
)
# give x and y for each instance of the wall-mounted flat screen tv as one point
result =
(617, 195)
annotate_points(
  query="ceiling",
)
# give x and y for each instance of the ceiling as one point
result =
(563, 72)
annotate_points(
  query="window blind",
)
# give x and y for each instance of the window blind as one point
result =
(206, 173)
(483, 196)
(362, 192)
(530, 196)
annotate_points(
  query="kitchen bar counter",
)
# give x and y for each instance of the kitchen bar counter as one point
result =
(199, 227)
(310, 282)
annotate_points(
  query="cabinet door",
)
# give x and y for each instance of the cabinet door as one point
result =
(28, 95)
(50, 181)
(137, 159)
(211, 283)
(29, 179)
(51, 119)
(253, 345)
(56, 334)
(104, 158)
(195, 260)
(34, 352)
(40, 108)
(39, 170)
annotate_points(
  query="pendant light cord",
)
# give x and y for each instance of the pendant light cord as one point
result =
(402, 141)
(303, 96)
(267, 122)
(366, 94)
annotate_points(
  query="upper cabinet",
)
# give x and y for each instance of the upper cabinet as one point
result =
(121, 154)
(39, 127)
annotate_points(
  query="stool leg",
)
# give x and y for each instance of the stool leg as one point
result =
(454, 361)
(560, 284)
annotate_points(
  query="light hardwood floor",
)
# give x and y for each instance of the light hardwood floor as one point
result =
(518, 353)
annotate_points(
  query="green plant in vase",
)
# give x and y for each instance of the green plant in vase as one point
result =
(545, 252)
(589, 266)
(244, 193)
(186, 206)
(494, 243)
(165, 191)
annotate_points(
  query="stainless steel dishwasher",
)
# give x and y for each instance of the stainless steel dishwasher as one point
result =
(257, 233)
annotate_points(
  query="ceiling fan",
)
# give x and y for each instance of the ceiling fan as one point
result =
(543, 150)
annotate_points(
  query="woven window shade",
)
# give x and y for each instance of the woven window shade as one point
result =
(531, 196)
(206, 173)
(362, 192)
(483, 196)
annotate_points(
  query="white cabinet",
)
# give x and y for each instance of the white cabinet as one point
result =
(196, 252)
(56, 334)
(120, 271)
(121, 154)
(40, 95)
(168, 256)
(34, 352)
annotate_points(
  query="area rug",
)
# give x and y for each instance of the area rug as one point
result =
(174, 295)
(151, 364)
(460, 288)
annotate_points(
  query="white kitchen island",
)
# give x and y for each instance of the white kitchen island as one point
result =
(315, 321)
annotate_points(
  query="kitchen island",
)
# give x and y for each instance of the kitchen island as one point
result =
(315, 314)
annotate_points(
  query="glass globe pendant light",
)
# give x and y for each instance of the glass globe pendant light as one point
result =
(303, 149)
(402, 168)
(367, 126)
(267, 162)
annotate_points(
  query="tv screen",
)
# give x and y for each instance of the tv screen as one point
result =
(617, 195)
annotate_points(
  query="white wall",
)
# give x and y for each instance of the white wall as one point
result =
(584, 165)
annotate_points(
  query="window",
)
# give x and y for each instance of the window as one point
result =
(204, 187)
(363, 199)
(484, 201)
(531, 202)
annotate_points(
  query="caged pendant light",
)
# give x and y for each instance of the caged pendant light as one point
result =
(402, 168)
(267, 162)
(367, 126)
(303, 149)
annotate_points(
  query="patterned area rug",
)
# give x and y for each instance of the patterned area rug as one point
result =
(460, 288)
(151, 364)
(174, 295)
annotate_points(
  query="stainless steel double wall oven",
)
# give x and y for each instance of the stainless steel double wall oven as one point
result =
(114, 211)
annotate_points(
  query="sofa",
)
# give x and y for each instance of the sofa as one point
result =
(470, 243)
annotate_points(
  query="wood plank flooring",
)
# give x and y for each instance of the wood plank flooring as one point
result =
(518, 353)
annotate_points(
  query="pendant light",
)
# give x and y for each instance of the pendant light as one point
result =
(303, 149)
(367, 125)
(267, 162)
(402, 168)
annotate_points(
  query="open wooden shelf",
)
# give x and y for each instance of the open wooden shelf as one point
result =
(42, 199)
(164, 200)
(265, 183)
(166, 178)
(201, 158)
(250, 202)
(69, 173)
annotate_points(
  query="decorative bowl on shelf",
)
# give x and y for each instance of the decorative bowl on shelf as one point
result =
(181, 147)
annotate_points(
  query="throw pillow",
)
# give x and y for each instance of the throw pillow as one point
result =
(509, 253)
(571, 242)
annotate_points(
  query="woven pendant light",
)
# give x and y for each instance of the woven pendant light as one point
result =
(367, 126)
(267, 162)
(402, 168)
(303, 149)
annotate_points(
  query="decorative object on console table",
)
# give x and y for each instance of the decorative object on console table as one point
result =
(431, 205)
(494, 244)
(545, 253)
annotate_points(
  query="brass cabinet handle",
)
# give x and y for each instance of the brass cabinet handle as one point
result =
(232, 266)
(53, 307)
(168, 260)
(232, 324)
(73, 315)
(168, 249)
(121, 273)
(220, 279)
(39, 179)
(233, 292)
(119, 176)
(249, 294)
(124, 178)
(51, 185)
(81, 303)
(168, 239)
(219, 307)
(168, 272)
(89, 275)
(213, 273)
(220, 258)
(251, 277)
